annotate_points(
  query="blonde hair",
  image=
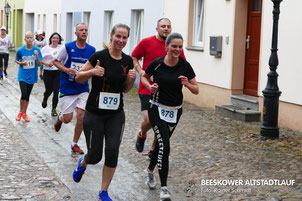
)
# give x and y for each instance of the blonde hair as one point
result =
(107, 46)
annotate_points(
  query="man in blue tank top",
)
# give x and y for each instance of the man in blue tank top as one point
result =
(73, 95)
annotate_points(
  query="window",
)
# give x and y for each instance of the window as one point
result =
(108, 24)
(136, 27)
(86, 20)
(198, 23)
(44, 23)
(39, 21)
(55, 22)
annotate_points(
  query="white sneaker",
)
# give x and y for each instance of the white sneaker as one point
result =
(165, 194)
(151, 181)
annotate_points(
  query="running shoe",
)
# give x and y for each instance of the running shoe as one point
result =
(76, 149)
(78, 172)
(44, 103)
(25, 117)
(58, 124)
(165, 194)
(151, 181)
(104, 196)
(18, 117)
(150, 154)
(54, 112)
(140, 142)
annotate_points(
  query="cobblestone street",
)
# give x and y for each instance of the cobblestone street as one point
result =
(36, 164)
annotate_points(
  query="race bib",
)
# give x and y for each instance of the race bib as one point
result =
(109, 101)
(30, 64)
(76, 66)
(168, 114)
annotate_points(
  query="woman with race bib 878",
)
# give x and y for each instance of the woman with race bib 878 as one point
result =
(170, 73)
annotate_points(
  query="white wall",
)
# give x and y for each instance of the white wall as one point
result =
(289, 53)
(47, 7)
(219, 20)
(153, 10)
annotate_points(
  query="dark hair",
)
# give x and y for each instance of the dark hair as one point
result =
(52, 35)
(113, 32)
(164, 18)
(173, 36)
(37, 36)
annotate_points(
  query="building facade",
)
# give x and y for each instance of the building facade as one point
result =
(245, 27)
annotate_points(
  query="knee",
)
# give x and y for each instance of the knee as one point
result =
(93, 158)
(25, 97)
(111, 157)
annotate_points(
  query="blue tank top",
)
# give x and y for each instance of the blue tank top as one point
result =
(77, 57)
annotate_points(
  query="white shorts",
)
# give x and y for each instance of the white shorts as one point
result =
(70, 103)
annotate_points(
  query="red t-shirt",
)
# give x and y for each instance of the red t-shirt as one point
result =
(150, 48)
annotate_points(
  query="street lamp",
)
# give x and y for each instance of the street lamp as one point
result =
(271, 93)
(6, 10)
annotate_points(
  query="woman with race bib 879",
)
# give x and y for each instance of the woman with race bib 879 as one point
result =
(169, 73)
(112, 75)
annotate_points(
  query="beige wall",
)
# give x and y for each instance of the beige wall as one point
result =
(208, 96)
(289, 115)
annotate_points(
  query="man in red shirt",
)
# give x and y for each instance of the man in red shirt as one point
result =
(150, 48)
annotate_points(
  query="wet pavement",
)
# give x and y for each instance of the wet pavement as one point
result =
(37, 164)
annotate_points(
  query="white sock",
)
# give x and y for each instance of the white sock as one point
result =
(73, 143)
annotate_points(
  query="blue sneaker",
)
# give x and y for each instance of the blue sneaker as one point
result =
(78, 172)
(104, 196)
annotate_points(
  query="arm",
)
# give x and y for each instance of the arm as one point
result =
(61, 67)
(152, 87)
(130, 80)
(49, 64)
(190, 84)
(23, 63)
(138, 67)
(88, 71)
(37, 57)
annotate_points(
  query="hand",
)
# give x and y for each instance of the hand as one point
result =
(184, 80)
(50, 64)
(131, 74)
(98, 70)
(153, 88)
(70, 71)
(23, 63)
(36, 52)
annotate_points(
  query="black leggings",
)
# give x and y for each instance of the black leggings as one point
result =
(25, 90)
(96, 127)
(4, 56)
(163, 131)
(52, 84)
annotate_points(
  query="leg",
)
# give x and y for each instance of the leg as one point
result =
(79, 125)
(145, 124)
(48, 86)
(6, 56)
(55, 88)
(114, 129)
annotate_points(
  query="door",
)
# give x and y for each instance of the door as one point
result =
(252, 48)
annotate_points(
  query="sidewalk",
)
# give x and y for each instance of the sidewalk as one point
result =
(205, 149)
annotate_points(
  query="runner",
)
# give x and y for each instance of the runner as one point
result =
(40, 42)
(169, 73)
(112, 74)
(51, 73)
(150, 48)
(28, 58)
(73, 95)
(5, 43)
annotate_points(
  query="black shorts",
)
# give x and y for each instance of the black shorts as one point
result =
(145, 104)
